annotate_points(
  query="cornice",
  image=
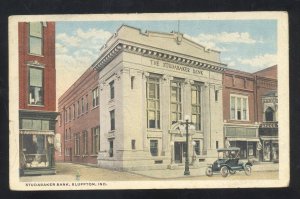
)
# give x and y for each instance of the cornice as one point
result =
(156, 54)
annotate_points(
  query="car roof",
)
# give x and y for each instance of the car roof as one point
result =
(229, 149)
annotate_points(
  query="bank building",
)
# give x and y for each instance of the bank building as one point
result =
(149, 82)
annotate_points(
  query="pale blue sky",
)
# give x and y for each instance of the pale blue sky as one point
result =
(248, 45)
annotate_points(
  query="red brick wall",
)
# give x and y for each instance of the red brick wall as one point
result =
(240, 83)
(270, 72)
(85, 122)
(48, 59)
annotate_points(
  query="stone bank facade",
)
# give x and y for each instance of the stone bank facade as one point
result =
(148, 82)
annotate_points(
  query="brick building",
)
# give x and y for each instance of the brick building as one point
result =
(267, 106)
(78, 121)
(37, 96)
(250, 112)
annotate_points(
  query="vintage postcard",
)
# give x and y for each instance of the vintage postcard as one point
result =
(143, 101)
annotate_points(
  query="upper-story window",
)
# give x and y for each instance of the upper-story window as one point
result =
(196, 105)
(153, 100)
(82, 105)
(269, 114)
(36, 90)
(239, 107)
(36, 38)
(112, 90)
(176, 103)
(112, 120)
(95, 97)
(74, 111)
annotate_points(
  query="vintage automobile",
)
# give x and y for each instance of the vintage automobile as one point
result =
(228, 163)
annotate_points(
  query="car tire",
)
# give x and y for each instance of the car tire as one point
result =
(209, 172)
(248, 170)
(224, 171)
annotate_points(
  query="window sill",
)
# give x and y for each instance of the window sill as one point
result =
(36, 105)
(154, 130)
(32, 54)
(95, 107)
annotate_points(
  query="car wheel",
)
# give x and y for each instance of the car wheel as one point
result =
(209, 171)
(247, 170)
(224, 171)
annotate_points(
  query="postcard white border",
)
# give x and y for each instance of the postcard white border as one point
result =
(283, 100)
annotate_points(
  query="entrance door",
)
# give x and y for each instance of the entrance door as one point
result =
(180, 149)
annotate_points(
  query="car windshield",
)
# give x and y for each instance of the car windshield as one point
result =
(228, 154)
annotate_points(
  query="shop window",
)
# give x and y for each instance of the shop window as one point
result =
(112, 120)
(95, 97)
(95, 140)
(269, 114)
(153, 100)
(238, 107)
(35, 38)
(111, 148)
(36, 89)
(176, 103)
(196, 106)
(154, 147)
(112, 90)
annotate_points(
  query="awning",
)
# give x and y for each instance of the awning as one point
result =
(33, 132)
(269, 138)
(243, 139)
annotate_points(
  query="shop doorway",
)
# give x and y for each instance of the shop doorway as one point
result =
(180, 150)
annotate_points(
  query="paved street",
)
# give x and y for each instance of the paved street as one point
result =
(68, 171)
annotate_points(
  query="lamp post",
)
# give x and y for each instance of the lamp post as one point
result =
(188, 125)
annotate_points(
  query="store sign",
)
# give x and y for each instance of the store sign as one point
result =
(176, 67)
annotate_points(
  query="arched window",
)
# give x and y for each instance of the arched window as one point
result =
(269, 113)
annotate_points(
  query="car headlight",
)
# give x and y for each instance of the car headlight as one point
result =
(218, 165)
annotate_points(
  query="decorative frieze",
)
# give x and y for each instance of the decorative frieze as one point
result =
(156, 55)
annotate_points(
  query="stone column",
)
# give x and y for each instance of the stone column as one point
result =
(145, 75)
(165, 112)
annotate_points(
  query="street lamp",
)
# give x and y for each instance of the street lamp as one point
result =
(188, 125)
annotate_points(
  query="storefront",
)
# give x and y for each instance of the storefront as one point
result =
(36, 138)
(245, 138)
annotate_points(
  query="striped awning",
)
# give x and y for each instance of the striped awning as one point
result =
(34, 132)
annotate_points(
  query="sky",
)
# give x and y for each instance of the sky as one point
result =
(247, 45)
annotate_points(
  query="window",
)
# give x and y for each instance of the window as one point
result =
(36, 90)
(154, 147)
(269, 114)
(70, 113)
(197, 147)
(77, 144)
(35, 38)
(238, 107)
(216, 95)
(82, 105)
(153, 106)
(133, 144)
(39, 125)
(85, 142)
(65, 114)
(132, 82)
(112, 90)
(70, 134)
(66, 134)
(78, 109)
(111, 148)
(176, 105)
(87, 104)
(74, 112)
(217, 144)
(95, 97)
(196, 105)
(95, 140)
(112, 120)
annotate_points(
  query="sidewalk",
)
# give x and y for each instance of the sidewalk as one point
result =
(196, 172)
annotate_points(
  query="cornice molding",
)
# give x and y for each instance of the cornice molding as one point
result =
(156, 54)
